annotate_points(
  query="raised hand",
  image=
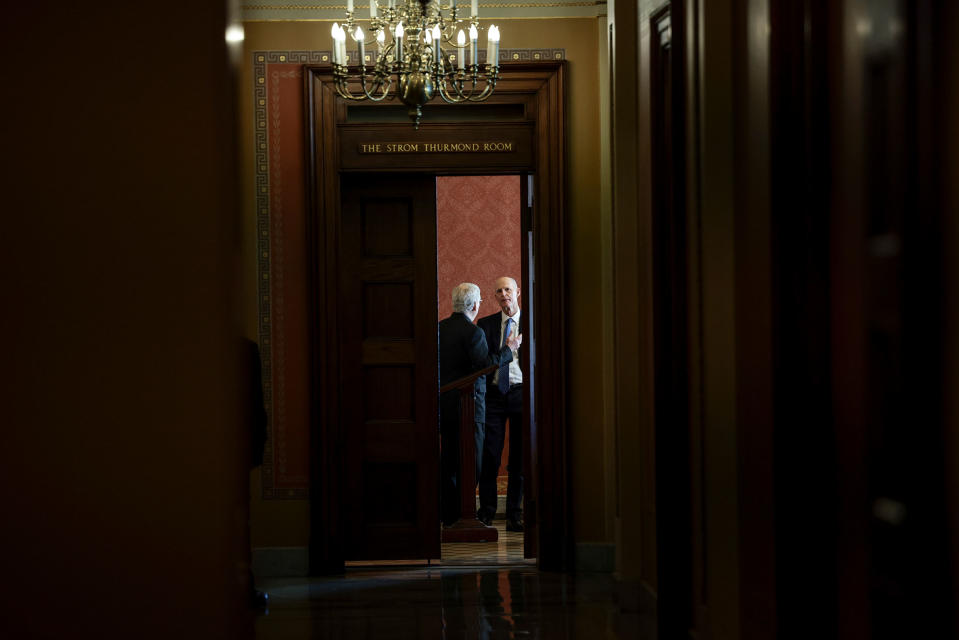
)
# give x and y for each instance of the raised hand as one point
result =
(514, 341)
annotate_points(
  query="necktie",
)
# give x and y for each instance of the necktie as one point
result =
(504, 368)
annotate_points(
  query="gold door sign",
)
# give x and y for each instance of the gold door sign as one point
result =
(437, 147)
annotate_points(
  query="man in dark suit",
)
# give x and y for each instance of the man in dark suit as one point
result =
(463, 350)
(504, 401)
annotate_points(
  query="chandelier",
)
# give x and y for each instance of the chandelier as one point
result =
(414, 40)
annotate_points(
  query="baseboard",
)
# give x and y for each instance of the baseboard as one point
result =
(595, 557)
(281, 562)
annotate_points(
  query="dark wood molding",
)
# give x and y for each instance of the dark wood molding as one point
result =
(672, 295)
(326, 549)
(541, 89)
(477, 136)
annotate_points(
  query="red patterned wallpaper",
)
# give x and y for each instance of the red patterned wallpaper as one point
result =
(283, 287)
(478, 235)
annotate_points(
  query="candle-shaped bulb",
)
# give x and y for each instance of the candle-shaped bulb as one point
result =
(474, 7)
(335, 32)
(461, 50)
(372, 9)
(399, 41)
(461, 39)
(492, 56)
(435, 38)
(474, 58)
(360, 38)
(380, 37)
(349, 5)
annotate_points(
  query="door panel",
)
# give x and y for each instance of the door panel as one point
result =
(388, 351)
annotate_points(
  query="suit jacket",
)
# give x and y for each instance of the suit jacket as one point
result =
(492, 326)
(463, 350)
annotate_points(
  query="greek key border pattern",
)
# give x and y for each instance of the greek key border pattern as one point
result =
(530, 55)
(261, 142)
(496, 5)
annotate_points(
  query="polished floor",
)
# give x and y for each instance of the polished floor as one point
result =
(447, 603)
(484, 590)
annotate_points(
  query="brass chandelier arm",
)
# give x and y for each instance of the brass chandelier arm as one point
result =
(460, 96)
(458, 80)
(381, 85)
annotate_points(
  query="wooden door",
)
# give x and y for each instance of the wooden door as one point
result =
(389, 374)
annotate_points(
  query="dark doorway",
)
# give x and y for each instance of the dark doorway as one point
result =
(483, 234)
(395, 267)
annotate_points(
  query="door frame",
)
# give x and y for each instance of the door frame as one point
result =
(541, 89)
(673, 307)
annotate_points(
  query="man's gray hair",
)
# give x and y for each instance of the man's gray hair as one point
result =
(465, 295)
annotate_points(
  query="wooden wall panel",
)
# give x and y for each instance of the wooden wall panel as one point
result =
(754, 366)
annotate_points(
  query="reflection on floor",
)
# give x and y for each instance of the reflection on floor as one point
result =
(508, 551)
(448, 602)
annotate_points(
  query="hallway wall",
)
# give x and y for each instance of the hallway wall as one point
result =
(819, 187)
(704, 50)
(123, 473)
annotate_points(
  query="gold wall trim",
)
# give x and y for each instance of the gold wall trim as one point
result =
(532, 5)
(270, 20)
(294, 7)
(498, 5)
